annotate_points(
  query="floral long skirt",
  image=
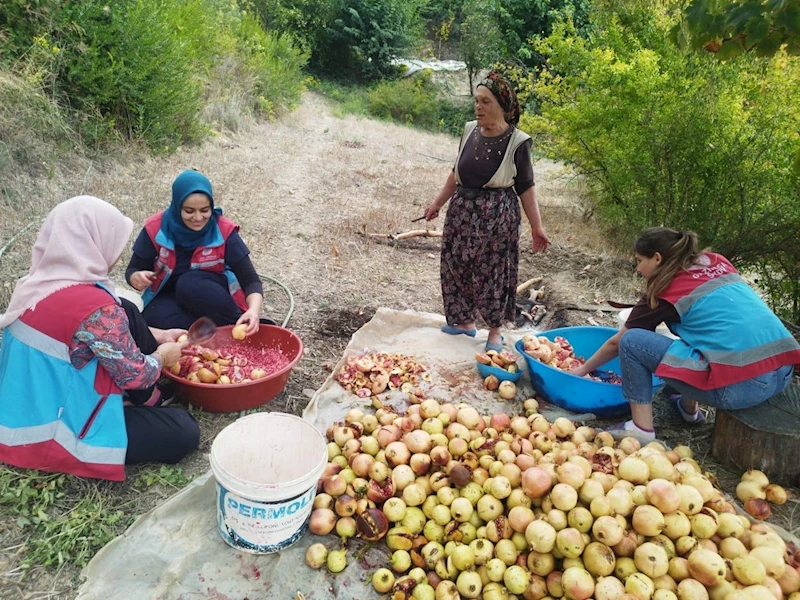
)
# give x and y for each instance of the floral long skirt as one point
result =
(480, 256)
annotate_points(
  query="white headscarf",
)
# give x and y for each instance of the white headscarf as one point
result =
(79, 242)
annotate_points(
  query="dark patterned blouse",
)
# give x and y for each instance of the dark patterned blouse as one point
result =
(105, 334)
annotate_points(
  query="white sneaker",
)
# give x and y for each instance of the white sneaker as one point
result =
(628, 429)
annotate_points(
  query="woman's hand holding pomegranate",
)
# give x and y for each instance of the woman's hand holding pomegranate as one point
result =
(170, 353)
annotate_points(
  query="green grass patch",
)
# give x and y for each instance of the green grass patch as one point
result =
(414, 101)
(68, 519)
(61, 522)
(348, 99)
(32, 127)
(166, 476)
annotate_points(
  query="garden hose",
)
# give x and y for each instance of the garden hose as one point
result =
(288, 294)
(7, 245)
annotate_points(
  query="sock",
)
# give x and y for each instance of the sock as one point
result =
(692, 418)
(687, 416)
(646, 433)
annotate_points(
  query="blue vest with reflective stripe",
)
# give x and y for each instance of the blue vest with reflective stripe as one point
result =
(53, 416)
(727, 333)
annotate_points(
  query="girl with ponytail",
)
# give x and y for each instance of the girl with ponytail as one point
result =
(732, 352)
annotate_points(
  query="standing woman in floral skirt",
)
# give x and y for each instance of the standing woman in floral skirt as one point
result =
(480, 243)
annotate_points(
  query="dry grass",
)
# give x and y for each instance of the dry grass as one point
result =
(303, 188)
(231, 96)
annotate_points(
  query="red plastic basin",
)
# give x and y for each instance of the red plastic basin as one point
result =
(240, 396)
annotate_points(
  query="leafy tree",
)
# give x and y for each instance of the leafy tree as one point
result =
(365, 35)
(491, 30)
(669, 136)
(728, 28)
(521, 20)
(480, 40)
(303, 20)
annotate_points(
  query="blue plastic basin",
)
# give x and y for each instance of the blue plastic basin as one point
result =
(501, 374)
(579, 394)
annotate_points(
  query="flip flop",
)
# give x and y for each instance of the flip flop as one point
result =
(495, 347)
(450, 330)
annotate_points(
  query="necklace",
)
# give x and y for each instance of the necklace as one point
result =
(485, 146)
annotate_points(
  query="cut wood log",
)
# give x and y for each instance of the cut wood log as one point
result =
(396, 237)
(526, 284)
(765, 437)
(416, 233)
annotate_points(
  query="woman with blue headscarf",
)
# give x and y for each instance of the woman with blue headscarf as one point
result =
(189, 261)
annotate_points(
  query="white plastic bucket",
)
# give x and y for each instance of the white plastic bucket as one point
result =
(267, 466)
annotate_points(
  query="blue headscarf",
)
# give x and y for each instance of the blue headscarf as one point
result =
(172, 224)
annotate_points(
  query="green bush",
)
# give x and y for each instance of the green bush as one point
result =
(417, 101)
(671, 137)
(275, 63)
(143, 69)
(410, 100)
(20, 22)
(303, 20)
(453, 116)
(127, 63)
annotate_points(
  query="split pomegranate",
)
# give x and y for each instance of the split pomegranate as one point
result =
(229, 364)
(372, 374)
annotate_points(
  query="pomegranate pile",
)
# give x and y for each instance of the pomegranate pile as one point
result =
(374, 373)
(500, 507)
(233, 363)
(559, 354)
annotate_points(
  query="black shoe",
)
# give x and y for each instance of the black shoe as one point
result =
(266, 321)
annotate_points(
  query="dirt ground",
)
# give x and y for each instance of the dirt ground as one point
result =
(306, 189)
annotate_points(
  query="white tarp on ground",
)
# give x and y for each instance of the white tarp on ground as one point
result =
(413, 65)
(174, 552)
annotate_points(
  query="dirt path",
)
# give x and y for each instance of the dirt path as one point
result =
(303, 188)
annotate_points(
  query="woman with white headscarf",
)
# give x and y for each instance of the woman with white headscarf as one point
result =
(78, 366)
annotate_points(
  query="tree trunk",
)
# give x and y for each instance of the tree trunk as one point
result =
(765, 437)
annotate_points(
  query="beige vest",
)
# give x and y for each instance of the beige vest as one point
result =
(507, 172)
